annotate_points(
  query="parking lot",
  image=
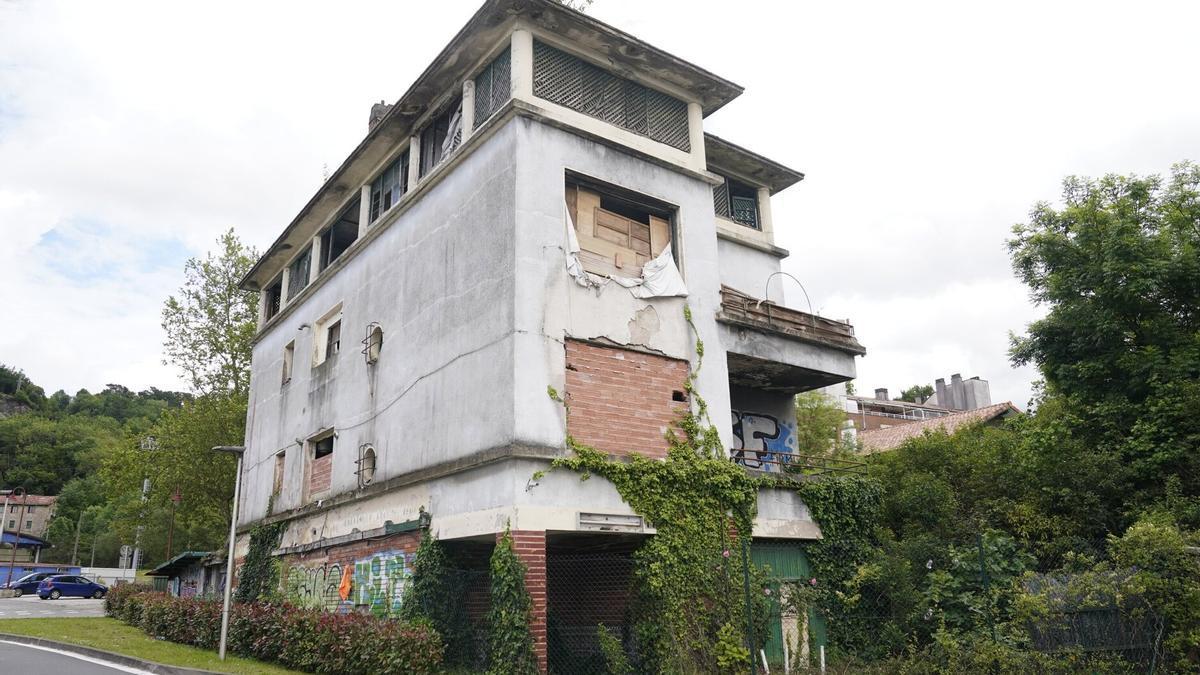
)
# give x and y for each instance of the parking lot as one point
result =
(30, 607)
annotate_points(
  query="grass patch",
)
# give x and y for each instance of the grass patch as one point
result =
(112, 635)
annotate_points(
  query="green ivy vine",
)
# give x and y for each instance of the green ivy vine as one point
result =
(689, 577)
(259, 578)
(510, 643)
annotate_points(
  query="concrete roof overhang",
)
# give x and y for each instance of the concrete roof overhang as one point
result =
(721, 154)
(477, 40)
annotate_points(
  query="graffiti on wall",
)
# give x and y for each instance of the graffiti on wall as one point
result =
(761, 441)
(375, 584)
(314, 585)
(380, 580)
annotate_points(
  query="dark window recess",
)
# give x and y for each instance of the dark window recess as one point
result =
(323, 447)
(493, 87)
(441, 136)
(338, 237)
(578, 85)
(333, 340)
(274, 297)
(737, 202)
(298, 273)
(389, 186)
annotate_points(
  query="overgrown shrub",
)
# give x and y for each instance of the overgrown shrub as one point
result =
(115, 599)
(303, 639)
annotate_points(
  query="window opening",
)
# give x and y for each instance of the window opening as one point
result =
(340, 235)
(274, 295)
(333, 340)
(298, 273)
(277, 483)
(389, 186)
(737, 202)
(373, 343)
(493, 87)
(29, 524)
(617, 233)
(441, 136)
(323, 447)
(366, 465)
(289, 356)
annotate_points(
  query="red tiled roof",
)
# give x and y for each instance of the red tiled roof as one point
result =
(876, 440)
(31, 500)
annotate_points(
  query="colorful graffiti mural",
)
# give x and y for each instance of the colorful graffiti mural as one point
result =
(375, 583)
(379, 582)
(760, 440)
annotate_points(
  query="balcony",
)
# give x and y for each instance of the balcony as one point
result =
(780, 349)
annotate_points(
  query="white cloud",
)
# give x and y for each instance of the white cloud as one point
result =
(926, 130)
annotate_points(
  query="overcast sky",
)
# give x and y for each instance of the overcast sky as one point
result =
(132, 134)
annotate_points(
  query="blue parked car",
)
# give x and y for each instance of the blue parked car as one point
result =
(57, 586)
(28, 583)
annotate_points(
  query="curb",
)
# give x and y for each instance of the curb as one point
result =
(111, 657)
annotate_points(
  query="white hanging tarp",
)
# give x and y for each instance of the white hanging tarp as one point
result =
(660, 277)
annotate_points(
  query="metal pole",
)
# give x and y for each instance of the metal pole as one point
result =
(75, 549)
(3, 516)
(137, 535)
(237, 488)
(749, 612)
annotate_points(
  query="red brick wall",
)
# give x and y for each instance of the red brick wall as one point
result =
(530, 546)
(321, 570)
(621, 401)
(320, 474)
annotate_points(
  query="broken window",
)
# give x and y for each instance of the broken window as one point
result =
(340, 235)
(323, 447)
(333, 339)
(298, 273)
(738, 202)
(618, 232)
(289, 355)
(441, 136)
(277, 482)
(389, 186)
(493, 87)
(274, 295)
(327, 335)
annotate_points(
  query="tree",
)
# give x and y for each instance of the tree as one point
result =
(1118, 270)
(211, 324)
(819, 422)
(918, 393)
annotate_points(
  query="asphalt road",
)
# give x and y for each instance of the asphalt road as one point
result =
(28, 660)
(30, 607)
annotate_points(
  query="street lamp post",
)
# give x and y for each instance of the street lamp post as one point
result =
(237, 489)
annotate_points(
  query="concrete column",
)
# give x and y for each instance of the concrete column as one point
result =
(285, 280)
(696, 135)
(414, 161)
(364, 209)
(522, 64)
(314, 259)
(765, 221)
(468, 109)
(530, 547)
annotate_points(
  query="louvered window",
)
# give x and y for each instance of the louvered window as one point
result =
(737, 202)
(493, 87)
(576, 84)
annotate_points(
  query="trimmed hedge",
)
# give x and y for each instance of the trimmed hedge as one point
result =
(303, 639)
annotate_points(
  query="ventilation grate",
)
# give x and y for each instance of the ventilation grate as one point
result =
(576, 84)
(493, 87)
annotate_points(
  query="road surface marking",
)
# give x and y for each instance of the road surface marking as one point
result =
(81, 657)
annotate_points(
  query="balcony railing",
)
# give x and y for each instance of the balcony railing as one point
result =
(795, 464)
(742, 309)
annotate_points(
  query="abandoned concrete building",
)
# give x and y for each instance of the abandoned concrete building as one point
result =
(534, 213)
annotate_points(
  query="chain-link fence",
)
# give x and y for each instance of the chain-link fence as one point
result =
(588, 610)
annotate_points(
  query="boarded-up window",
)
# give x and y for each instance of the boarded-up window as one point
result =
(321, 467)
(617, 234)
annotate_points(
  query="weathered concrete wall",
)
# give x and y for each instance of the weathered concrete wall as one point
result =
(747, 269)
(439, 281)
(764, 423)
(552, 308)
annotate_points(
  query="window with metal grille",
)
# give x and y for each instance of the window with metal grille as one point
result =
(578, 85)
(389, 186)
(737, 202)
(441, 136)
(298, 273)
(274, 297)
(493, 87)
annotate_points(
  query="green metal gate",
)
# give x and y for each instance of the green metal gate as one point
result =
(787, 563)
